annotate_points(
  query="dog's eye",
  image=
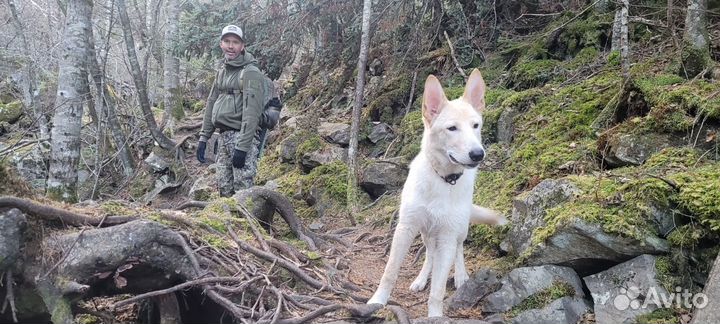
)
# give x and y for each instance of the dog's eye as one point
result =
(476, 125)
(452, 128)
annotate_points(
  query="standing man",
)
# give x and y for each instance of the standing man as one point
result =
(234, 107)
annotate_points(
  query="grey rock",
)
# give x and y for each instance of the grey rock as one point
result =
(566, 310)
(336, 133)
(380, 132)
(12, 225)
(521, 283)
(379, 177)
(156, 163)
(32, 166)
(376, 67)
(632, 149)
(316, 226)
(506, 124)
(202, 188)
(584, 246)
(323, 156)
(709, 313)
(481, 283)
(529, 210)
(288, 148)
(663, 217)
(620, 292)
(291, 122)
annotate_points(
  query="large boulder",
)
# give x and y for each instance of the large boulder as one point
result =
(565, 310)
(522, 283)
(576, 243)
(709, 313)
(584, 246)
(12, 224)
(379, 177)
(626, 291)
(632, 149)
(480, 284)
(32, 165)
(156, 163)
(506, 124)
(336, 133)
(529, 210)
(323, 156)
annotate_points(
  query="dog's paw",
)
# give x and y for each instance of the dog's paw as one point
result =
(501, 220)
(460, 279)
(418, 284)
(375, 299)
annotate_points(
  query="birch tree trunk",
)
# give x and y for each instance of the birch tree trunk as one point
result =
(171, 67)
(356, 112)
(72, 82)
(615, 43)
(696, 52)
(30, 89)
(139, 80)
(624, 39)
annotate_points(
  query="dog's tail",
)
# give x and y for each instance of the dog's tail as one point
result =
(481, 215)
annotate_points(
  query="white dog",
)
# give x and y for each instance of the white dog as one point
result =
(437, 196)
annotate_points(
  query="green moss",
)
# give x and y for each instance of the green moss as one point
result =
(613, 59)
(530, 74)
(310, 144)
(699, 194)
(87, 319)
(11, 112)
(541, 299)
(217, 241)
(487, 237)
(64, 194)
(332, 178)
(660, 316)
(585, 57)
(115, 208)
(686, 236)
(411, 129)
(141, 184)
(694, 61)
(393, 94)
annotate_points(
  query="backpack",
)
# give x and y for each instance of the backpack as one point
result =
(271, 104)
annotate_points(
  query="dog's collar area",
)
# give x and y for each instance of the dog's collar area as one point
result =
(451, 178)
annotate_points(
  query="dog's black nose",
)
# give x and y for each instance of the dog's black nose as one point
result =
(477, 155)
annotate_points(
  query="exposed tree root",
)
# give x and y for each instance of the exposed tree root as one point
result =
(51, 213)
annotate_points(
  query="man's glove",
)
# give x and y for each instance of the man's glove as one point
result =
(201, 152)
(275, 102)
(238, 159)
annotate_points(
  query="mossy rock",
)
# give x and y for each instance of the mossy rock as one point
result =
(693, 61)
(531, 74)
(11, 112)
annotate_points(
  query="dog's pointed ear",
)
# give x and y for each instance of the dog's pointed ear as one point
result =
(433, 99)
(475, 90)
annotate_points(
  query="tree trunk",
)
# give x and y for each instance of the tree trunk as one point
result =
(615, 43)
(171, 67)
(356, 112)
(139, 81)
(29, 92)
(696, 52)
(169, 309)
(106, 107)
(624, 39)
(72, 82)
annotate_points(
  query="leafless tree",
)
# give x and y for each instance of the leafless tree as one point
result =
(67, 120)
(171, 64)
(357, 108)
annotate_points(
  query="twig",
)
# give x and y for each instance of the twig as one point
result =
(452, 55)
(191, 204)
(400, 314)
(10, 296)
(314, 283)
(197, 282)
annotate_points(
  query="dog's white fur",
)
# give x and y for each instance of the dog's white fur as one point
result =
(429, 205)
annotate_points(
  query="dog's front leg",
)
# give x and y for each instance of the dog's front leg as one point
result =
(446, 253)
(461, 275)
(419, 283)
(402, 239)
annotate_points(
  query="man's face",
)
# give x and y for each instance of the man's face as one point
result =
(231, 46)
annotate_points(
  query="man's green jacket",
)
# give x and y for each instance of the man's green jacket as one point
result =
(235, 104)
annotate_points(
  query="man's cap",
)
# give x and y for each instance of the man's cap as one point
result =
(232, 29)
